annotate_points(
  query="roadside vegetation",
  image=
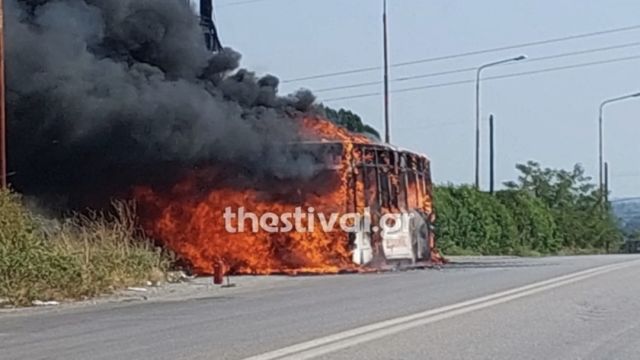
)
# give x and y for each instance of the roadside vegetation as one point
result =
(82, 256)
(350, 120)
(545, 211)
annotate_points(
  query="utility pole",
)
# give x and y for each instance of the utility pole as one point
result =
(387, 135)
(606, 199)
(206, 22)
(492, 154)
(3, 124)
(477, 151)
(606, 186)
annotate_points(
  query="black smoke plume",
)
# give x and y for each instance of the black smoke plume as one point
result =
(102, 94)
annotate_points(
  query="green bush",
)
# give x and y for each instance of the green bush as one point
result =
(82, 256)
(28, 266)
(545, 211)
(534, 220)
(470, 220)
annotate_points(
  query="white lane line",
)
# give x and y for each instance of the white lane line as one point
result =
(341, 340)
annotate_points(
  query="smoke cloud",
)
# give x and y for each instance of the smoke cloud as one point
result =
(103, 93)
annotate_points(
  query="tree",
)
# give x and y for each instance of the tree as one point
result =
(544, 211)
(574, 200)
(349, 120)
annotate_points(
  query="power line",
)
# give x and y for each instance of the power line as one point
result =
(464, 54)
(434, 125)
(236, 3)
(468, 69)
(524, 73)
(627, 175)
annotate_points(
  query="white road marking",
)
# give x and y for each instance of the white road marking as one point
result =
(331, 343)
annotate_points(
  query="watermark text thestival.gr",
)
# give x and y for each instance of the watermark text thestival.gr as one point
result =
(309, 220)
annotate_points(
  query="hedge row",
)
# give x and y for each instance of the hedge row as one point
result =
(545, 212)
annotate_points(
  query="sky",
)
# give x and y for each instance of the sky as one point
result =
(548, 117)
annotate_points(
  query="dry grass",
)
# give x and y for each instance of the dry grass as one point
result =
(79, 257)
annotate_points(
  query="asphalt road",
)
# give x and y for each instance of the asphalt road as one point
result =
(548, 308)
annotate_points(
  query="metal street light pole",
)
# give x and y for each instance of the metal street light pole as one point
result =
(385, 39)
(478, 72)
(3, 127)
(492, 155)
(601, 137)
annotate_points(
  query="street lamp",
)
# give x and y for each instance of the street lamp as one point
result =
(601, 136)
(3, 125)
(385, 40)
(518, 58)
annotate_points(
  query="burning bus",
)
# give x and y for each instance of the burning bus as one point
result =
(347, 174)
(187, 133)
(383, 184)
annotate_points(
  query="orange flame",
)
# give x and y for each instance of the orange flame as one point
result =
(191, 222)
